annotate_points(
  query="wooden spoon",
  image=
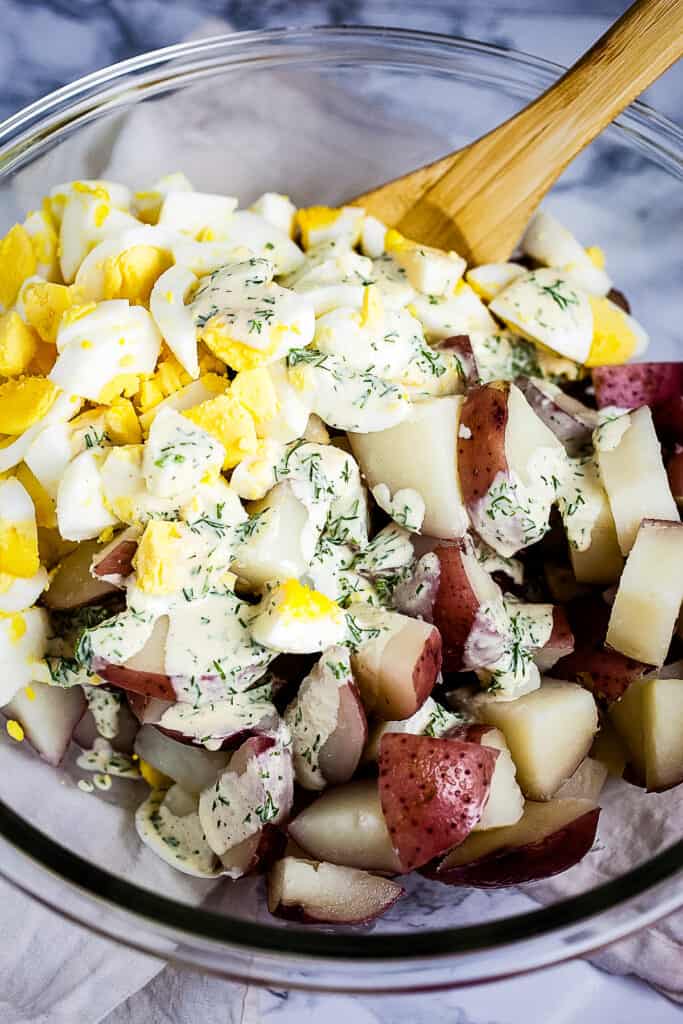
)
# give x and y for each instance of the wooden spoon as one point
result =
(479, 199)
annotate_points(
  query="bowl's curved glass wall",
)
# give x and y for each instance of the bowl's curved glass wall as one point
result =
(323, 114)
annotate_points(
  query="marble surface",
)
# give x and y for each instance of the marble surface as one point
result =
(45, 44)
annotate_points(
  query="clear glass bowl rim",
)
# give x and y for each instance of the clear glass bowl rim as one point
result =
(21, 136)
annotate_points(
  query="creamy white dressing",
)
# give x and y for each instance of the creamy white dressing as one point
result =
(212, 723)
(104, 705)
(312, 716)
(104, 760)
(581, 500)
(613, 423)
(169, 824)
(406, 507)
(247, 797)
(178, 454)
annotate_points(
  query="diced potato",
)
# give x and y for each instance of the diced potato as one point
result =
(634, 476)
(650, 592)
(548, 731)
(649, 719)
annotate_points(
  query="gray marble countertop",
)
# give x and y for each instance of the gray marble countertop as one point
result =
(46, 43)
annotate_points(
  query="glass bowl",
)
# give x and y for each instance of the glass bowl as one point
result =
(323, 114)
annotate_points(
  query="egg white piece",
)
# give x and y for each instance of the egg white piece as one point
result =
(23, 642)
(264, 239)
(178, 454)
(49, 455)
(458, 313)
(372, 237)
(114, 339)
(123, 487)
(16, 505)
(332, 275)
(339, 226)
(490, 278)
(87, 220)
(277, 209)
(430, 271)
(293, 406)
(64, 407)
(18, 592)
(173, 318)
(90, 275)
(194, 212)
(545, 306)
(39, 227)
(385, 347)
(392, 281)
(551, 243)
(81, 511)
(343, 397)
(147, 203)
(283, 626)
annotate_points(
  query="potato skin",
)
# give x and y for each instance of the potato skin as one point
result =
(514, 865)
(148, 684)
(455, 607)
(118, 561)
(432, 792)
(481, 440)
(605, 672)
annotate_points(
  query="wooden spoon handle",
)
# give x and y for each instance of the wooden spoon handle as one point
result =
(632, 54)
(480, 199)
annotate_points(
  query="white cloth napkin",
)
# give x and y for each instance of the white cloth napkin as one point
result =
(50, 972)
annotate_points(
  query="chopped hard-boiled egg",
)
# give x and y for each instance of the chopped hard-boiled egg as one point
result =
(549, 242)
(17, 593)
(277, 209)
(248, 321)
(545, 307)
(45, 303)
(62, 409)
(101, 347)
(320, 224)
(490, 278)
(24, 401)
(431, 271)
(41, 229)
(256, 391)
(23, 641)
(157, 558)
(458, 313)
(174, 318)
(89, 217)
(18, 343)
(617, 337)
(178, 455)
(18, 531)
(17, 263)
(226, 419)
(146, 204)
(197, 213)
(43, 501)
(373, 237)
(294, 619)
(81, 510)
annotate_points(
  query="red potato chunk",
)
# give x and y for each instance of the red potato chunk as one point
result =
(507, 461)
(433, 793)
(649, 721)
(549, 838)
(389, 457)
(396, 670)
(346, 826)
(115, 561)
(658, 385)
(144, 673)
(649, 595)
(571, 421)
(72, 585)
(605, 672)
(463, 588)
(544, 748)
(48, 717)
(319, 893)
(505, 804)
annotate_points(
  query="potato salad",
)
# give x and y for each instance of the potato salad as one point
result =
(355, 559)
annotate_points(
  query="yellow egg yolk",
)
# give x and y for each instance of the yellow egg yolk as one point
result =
(23, 401)
(121, 422)
(19, 548)
(613, 340)
(18, 343)
(228, 421)
(298, 602)
(254, 389)
(45, 304)
(17, 262)
(43, 503)
(157, 556)
(132, 274)
(313, 218)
